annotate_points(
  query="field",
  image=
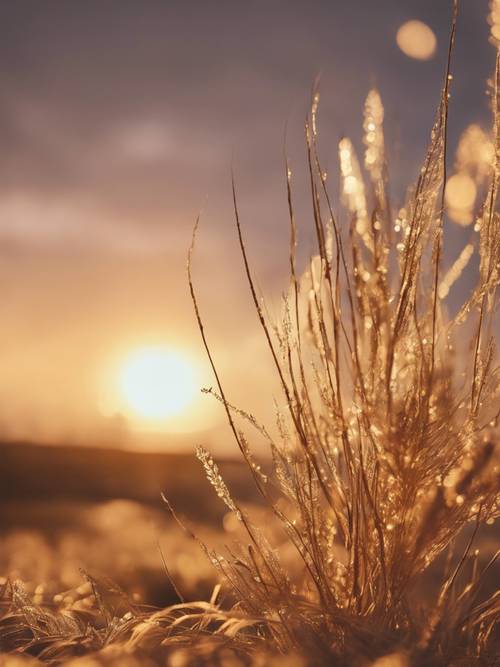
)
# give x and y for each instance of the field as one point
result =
(360, 528)
(70, 530)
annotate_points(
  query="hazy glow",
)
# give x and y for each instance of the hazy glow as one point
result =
(374, 135)
(152, 384)
(460, 191)
(475, 152)
(494, 20)
(157, 383)
(416, 40)
(353, 189)
(460, 196)
(474, 156)
(455, 271)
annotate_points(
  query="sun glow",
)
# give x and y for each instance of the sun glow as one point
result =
(155, 387)
(156, 383)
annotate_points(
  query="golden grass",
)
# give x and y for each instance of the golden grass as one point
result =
(388, 437)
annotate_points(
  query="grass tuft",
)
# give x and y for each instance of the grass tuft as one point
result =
(387, 449)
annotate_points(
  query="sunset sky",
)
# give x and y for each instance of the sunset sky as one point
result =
(119, 122)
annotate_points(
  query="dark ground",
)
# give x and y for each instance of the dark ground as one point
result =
(64, 509)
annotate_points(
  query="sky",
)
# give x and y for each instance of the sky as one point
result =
(120, 121)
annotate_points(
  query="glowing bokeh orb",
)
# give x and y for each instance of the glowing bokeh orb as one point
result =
(156, 383)
(416, 40)
(461, 191)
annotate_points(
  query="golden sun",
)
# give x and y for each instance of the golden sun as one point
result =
(156, 383)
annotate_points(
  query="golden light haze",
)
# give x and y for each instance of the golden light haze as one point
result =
(156, 388)
(473, 161)
(70, 325)
(494, 20)
(113, 143)
(157, 382)
(416, 40)
(460, 197)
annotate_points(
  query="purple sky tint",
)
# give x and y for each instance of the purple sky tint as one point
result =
(119, 121)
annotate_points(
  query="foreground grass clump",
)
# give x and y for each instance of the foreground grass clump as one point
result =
(385, 456)
(386, 447)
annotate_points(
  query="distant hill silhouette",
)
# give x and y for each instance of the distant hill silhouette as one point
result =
(29, 471)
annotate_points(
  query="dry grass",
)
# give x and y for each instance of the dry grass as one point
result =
(385, 451)
(387, 446)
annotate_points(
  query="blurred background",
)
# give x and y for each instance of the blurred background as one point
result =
(119, 123)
